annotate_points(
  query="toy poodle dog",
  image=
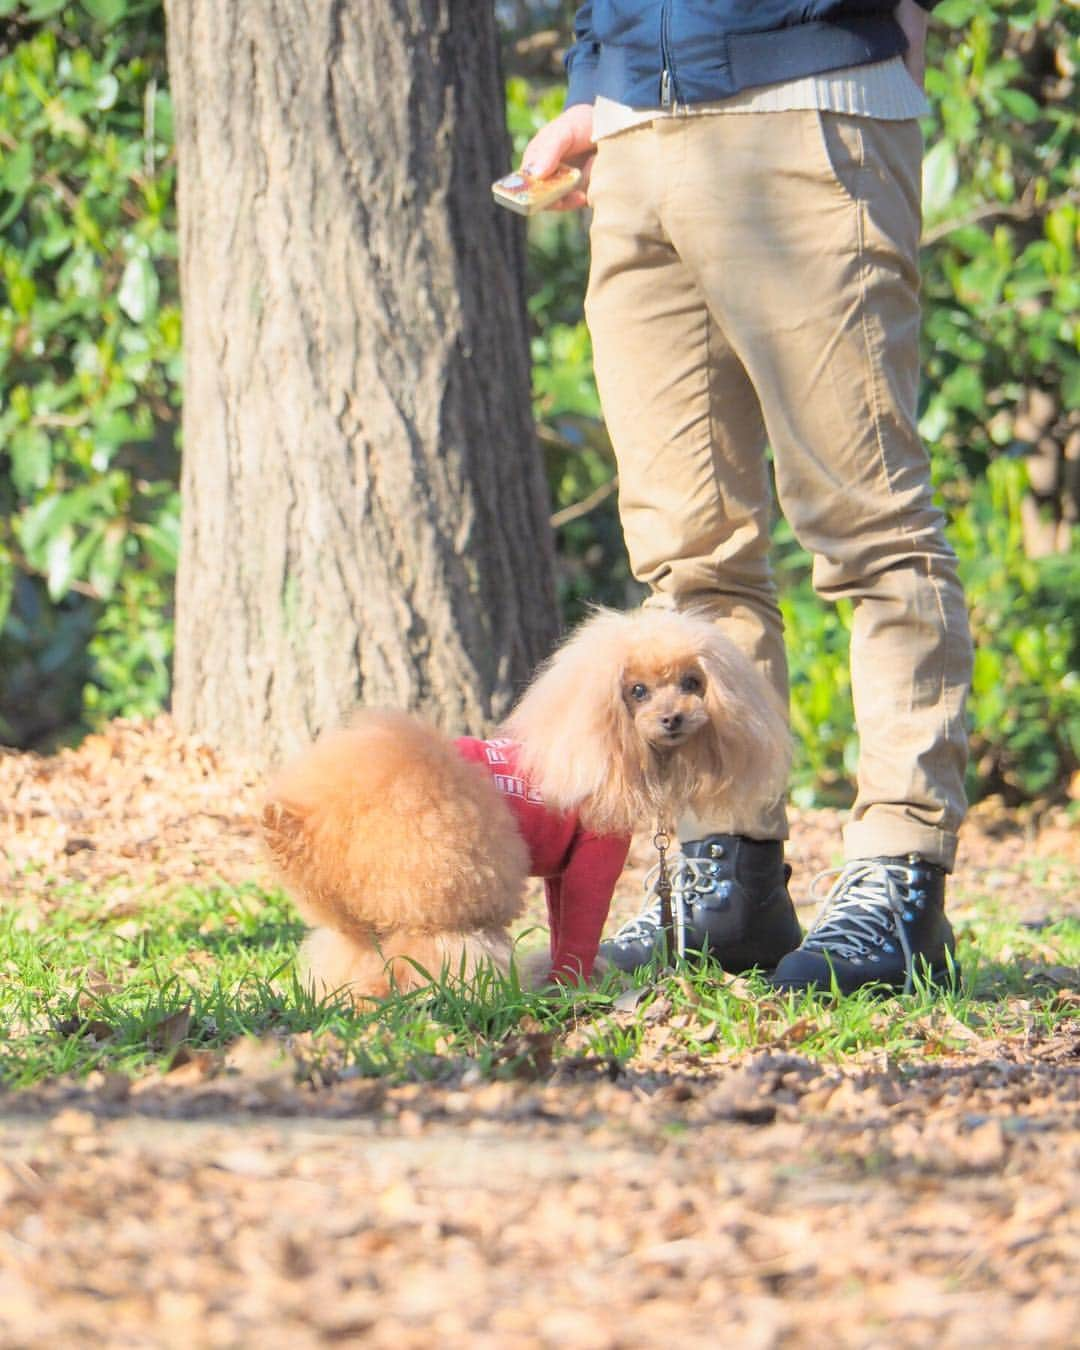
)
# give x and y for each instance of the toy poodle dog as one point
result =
(408, 851)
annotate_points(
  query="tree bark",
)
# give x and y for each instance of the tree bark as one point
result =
(364, 512)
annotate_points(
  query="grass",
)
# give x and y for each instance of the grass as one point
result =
(129, 988)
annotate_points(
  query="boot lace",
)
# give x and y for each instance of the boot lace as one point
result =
(689, 876)
(862, 915)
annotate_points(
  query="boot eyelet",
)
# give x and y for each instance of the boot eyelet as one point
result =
(716, 850)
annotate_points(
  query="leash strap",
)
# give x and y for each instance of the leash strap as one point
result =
(662, 842)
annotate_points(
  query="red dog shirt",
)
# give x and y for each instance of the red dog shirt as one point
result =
(579, 868)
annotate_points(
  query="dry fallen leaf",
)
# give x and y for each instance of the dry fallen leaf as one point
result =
(167, 1034)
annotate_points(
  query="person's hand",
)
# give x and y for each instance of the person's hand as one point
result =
(567, 139)
(914, 20)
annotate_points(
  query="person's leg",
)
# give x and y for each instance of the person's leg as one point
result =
(695, 501)
(695, 505)
(810, 262)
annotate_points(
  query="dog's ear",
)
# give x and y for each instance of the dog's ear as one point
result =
(578, 745)
(748, 738)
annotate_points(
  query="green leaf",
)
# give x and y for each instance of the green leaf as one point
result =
(31, 460)
(163, 117)
(84, 550)
(107, 12)
(162, 541)
(59, 571)
(1021, 105)
(54, 514)
(14, 207)
(108, 560)
(108, 87)
(19, 168)
(117, 428)
(138, 293)
(1070, 385)
(955, 13)
(22, 293)
(965, 388)
(55, 243)
(37, 524)
(1061, 228)
(940, 176)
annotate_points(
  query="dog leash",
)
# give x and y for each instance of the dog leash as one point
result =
(662, 842)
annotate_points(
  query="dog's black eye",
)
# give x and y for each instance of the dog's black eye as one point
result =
(691, 684)
(639, 692)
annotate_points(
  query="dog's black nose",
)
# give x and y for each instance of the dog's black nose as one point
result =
(671, 721)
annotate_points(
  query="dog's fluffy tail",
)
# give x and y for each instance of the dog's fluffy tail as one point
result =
(383, 826)
(397, 962)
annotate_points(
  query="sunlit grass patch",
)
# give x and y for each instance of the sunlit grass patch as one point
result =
(90, 983)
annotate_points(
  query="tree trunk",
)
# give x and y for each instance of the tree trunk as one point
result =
(365, 515)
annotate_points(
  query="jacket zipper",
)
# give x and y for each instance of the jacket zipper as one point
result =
(668, 92)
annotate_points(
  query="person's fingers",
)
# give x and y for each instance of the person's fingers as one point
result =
(565, 139)
(546, 151)
(573, 201)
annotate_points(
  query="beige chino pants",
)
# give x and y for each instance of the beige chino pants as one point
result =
(755, 281)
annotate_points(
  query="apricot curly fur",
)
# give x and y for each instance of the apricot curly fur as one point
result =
(397, 828)
(399, 962)
(402, 854)
(580, 747)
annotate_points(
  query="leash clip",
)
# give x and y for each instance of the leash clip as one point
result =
(662, 842)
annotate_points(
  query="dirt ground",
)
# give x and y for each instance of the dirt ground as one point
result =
(767, 1201)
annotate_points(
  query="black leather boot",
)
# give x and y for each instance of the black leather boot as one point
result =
(883, 922)
(730, 901)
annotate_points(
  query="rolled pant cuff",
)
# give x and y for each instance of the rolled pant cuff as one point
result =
(897, 838)
(772, 826)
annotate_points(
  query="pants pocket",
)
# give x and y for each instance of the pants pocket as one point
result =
(840, 145)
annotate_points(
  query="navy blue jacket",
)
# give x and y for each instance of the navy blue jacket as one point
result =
(656, 53)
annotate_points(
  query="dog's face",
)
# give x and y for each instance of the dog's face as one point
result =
(666, 702)
(645, 716)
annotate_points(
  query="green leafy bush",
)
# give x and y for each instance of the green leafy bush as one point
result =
(1025, 697)
(89, 365)
(1000, 199)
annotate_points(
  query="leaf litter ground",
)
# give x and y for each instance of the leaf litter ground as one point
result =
(691, 1194)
